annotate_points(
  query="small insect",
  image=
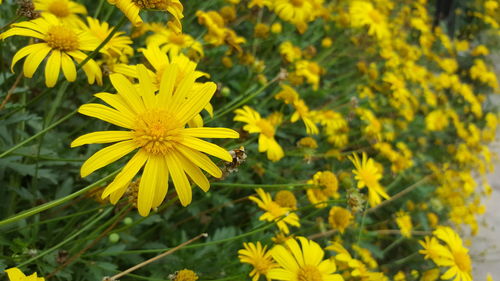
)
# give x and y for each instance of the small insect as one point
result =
(239, 156)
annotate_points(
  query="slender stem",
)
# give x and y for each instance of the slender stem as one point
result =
(87, 225)
(264, 186)
(99, 8)
(144, 263)
(56, 202)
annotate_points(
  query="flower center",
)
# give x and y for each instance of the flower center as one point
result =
(276, 210)
(341, 217)
(177, 39)
(266, 127)
(375, 16)
(152, 4)
(297, 3)
(309, 273)
(59, 8)
(462, 260)
(62, 38)
(157, 131)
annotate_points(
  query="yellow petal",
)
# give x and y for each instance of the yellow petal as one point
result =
(102, 137)
(118, 102)
(181, 183)
(208, 148)
(15, 274)
(128, 92)
(68, 67)
(26, 51)
(211, 133)
(34, 59)
(146, 86)
(162, 186)
(167, 84)
(200, 160)
(106, 114)
(106, 156)
(284, 258)
(127, 173)
(52, 68)
(195, 102)
(147, 187)
(193, 172)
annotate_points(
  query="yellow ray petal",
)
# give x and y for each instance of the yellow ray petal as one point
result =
(211, 133)
(195, 102)
(26, 51)
(106, 114)
(52, 68)
(193, 172)
(102, 137)
(181, 183)
(147, 187)
(127, 173)
(167, 84)
(208, 148)
(147, 87)
(162, 187)
(118, 102)
(284, 258)
(128, 92)
(34, 59)
(106, 156)
(68, 67)
(200, 160)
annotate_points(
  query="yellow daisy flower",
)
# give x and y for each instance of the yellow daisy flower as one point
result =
(339, 218)
(368, 174)
(185, 275)
(60, 43)
(266, 128)
(156, 129)
(363, 13)
(403, 220)
(274, 212)
(65, 10)
(131, 9)
(297, 12)
(117, 45)
(15, 274)
(174, 43)
(302, 263)
(258, 257)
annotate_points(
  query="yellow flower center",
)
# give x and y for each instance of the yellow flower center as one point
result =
(375, 16)
(62, 38)
(266, 127)
(340, 218)
(309, 273)
(152, 4)
(186, 275)
(462, 260)
(59, 8)
(262, 265)
(157, 131)
(297, 3)
(177, 39)
(286, 199)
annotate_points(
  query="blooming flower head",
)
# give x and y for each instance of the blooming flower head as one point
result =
(15, 274)
(302, 262)
(117, 45)
(131, 8)
(175, 42)
(339, 218)
(265, 126)
(286, 199)
(155, 124)
(258, 257)
(403, 220)
(65, 10)
(452, 254)
(325, 187)
(275, 212)
(302, 112)
(297, 12)
(368, 174)
(185, 275)
(60, 43)
(363, 13)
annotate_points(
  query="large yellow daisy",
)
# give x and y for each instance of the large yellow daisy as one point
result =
(65, 10)
(298, 12)
(302, 263)
(60, 43)
(156, 129)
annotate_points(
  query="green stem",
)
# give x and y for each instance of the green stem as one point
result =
(94, 220)
(99, 8)
(265, 186)
(56, 202)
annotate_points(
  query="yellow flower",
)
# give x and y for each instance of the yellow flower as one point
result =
(287, 94)
(218, 34)
(307, 142)
(403, 221)
(156, 127)
(289, 52)
(339, 218)
(266, 128)
(430, 275)
(311, 71)
(175, 42)
(302, 112)
(15, 274)
(368, 174)
(363, 13)
(185, 275)
(302, 263)
(275, 212)
(131, 8)
(453, 254)
(118, 44)
(297, 12)
(258, 257)
(60, 43)
(328, 185)
(65, 10)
